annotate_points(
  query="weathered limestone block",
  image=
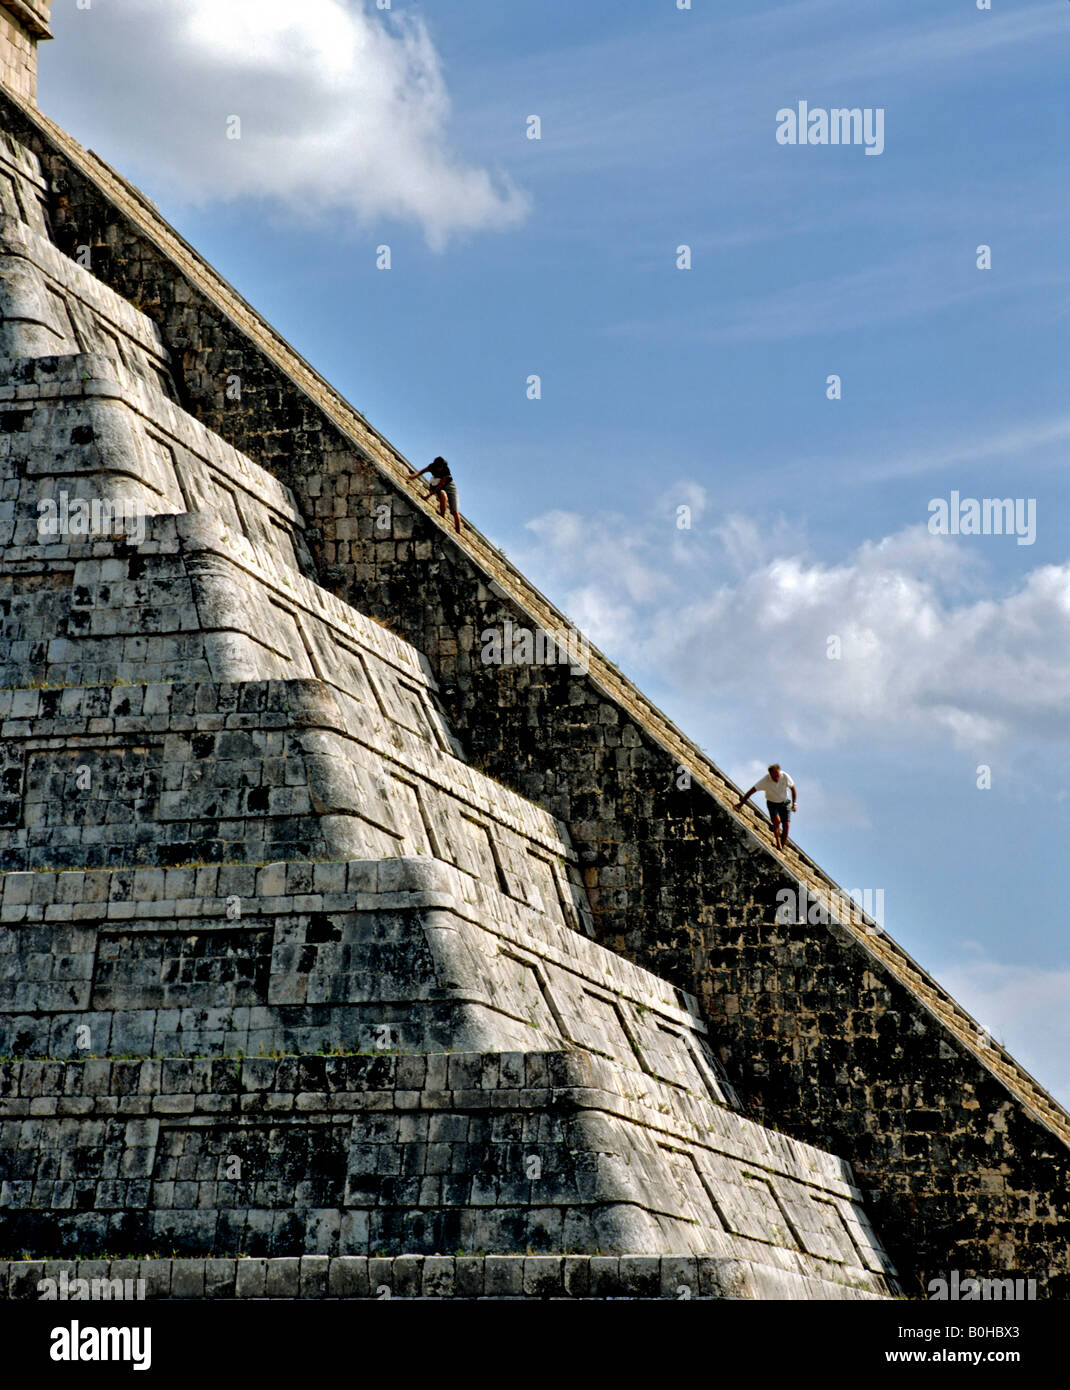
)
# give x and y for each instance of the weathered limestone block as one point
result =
(403, 953)
(85, 427)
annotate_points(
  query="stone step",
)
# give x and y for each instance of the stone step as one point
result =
(489, 1277)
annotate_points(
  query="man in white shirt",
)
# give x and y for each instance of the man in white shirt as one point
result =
(780, 801)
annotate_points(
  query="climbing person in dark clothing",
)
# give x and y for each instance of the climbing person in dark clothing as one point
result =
(444, 486)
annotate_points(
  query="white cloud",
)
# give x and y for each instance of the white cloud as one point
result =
(751, 614)
(607, 549)
(341, 107)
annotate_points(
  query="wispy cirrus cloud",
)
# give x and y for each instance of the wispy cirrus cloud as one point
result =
(921, 285)
(907, 45)
(1017, 442)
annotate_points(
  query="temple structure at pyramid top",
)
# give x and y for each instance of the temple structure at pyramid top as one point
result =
(321, 936)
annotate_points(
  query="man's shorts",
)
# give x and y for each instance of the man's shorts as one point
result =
(451, 495)
(780, 809)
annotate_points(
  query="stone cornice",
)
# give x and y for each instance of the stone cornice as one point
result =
(33, 15)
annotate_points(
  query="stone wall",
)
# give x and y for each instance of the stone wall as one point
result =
(23, 23)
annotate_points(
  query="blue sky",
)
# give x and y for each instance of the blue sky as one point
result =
(704, 388)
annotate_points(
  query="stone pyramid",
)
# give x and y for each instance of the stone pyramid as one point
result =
(333, 959)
